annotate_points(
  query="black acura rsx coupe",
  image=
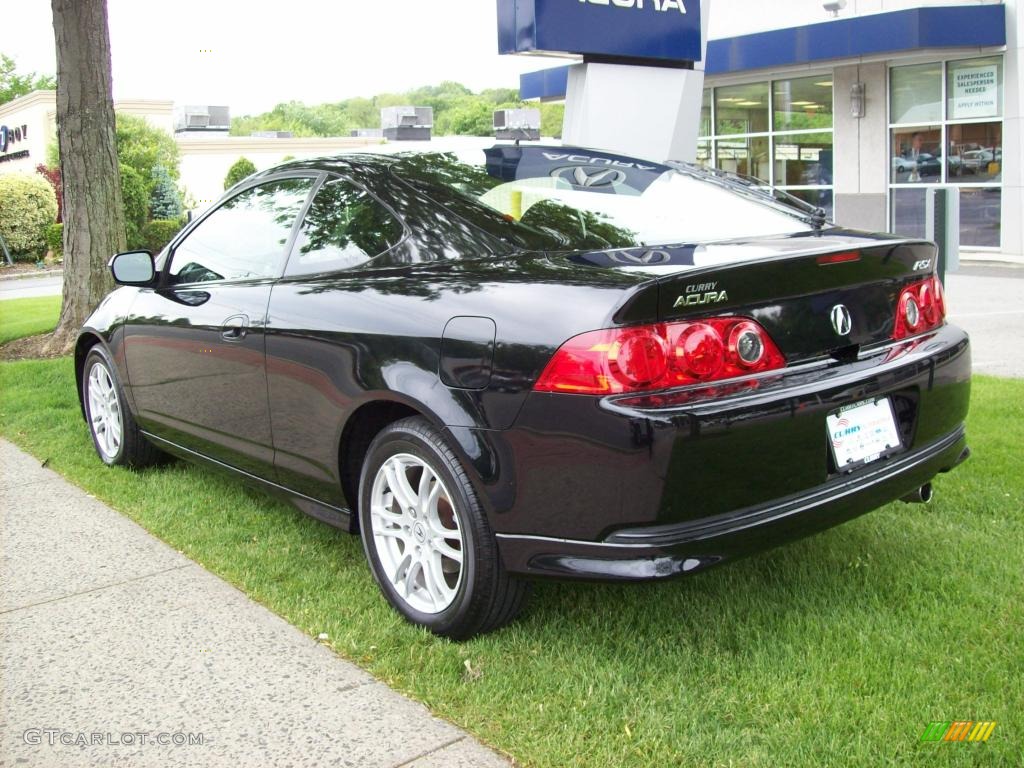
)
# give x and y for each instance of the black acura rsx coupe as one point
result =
(532, 361)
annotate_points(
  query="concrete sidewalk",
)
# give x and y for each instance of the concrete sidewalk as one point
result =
(109, 638)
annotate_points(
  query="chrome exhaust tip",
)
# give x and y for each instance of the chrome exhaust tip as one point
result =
(922, 495)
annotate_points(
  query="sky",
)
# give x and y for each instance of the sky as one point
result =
(255, 54)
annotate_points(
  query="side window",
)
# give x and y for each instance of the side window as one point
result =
(243, 239)
(344, 228)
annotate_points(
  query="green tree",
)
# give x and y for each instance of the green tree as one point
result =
(552, 118)
(13, 85)
(164, 200)
(144, 147)
(135, 199)
(468, 118)
(457, 111)
(242, 169)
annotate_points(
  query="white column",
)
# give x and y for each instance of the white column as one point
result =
(650, 112)
(1013, 134)
(860, 156)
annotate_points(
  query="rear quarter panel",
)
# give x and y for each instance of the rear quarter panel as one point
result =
(337, 342)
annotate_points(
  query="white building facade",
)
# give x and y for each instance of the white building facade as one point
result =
(205, 157)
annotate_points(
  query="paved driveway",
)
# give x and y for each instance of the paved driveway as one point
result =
(988, 302)
(25, 287)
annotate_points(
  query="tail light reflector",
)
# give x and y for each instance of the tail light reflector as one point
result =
(921, 307)
(652, 357)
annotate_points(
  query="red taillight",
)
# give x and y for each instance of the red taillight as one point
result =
(652, 357)
(638, 357)
(700, 351)
(920, 307)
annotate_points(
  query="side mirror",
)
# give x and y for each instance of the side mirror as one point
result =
(133, 268)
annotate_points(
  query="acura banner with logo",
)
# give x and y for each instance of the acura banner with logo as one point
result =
(658, 30)
(596, 172)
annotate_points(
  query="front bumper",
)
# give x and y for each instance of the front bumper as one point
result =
(660, 551)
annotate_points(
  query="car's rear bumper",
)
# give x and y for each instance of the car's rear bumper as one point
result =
(660, 551)
(643, 487)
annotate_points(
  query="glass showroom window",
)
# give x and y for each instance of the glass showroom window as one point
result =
(779, 132)
(946, 128)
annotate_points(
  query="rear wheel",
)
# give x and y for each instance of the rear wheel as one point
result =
(115, 435)
(427, 540)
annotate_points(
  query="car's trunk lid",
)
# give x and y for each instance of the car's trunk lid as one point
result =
(798, 287)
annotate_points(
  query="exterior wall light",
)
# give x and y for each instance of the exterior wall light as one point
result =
(858, 100)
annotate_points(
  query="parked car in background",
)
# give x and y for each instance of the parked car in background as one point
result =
(532, 362)
(903, 164)
(978, 160)
(928, 165)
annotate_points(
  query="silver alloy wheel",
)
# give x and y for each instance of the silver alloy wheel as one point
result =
(416, 533)
(104, 411)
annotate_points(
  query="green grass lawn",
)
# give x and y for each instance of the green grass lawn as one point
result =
(27, 317)
(833, 651)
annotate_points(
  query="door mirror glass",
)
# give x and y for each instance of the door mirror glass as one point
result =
(133, 268)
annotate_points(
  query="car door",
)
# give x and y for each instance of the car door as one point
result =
(195, 344)
(318, 320)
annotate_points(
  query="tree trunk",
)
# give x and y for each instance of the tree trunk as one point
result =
(93, 216)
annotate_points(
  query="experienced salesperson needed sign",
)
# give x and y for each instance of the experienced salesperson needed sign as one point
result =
(975, 92)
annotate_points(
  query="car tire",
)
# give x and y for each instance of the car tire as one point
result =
(115, 435)
(429, 544)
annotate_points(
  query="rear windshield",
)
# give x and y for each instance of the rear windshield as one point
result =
(549, 197)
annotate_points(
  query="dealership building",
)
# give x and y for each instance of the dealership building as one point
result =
(861, 107)
(857, 106)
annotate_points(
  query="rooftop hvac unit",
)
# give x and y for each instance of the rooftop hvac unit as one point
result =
(202, 118)
(407, 123)
(522, 124)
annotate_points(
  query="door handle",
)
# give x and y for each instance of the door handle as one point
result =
(234, 328)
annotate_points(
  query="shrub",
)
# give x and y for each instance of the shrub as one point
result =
(243, 168)
(164, 200)
(52, 175)
(135, 204)
(159, 232)
(54, 236)
(27, 205)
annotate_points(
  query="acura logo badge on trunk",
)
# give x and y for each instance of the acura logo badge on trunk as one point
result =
(842, 322)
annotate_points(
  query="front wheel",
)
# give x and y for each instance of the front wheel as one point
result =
(115, 435)
(427, 540)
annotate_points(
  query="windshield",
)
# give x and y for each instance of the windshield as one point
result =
(551, 197)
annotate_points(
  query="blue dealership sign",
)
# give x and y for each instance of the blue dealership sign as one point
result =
(662, 31)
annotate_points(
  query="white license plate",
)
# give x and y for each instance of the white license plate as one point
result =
(862, 432)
